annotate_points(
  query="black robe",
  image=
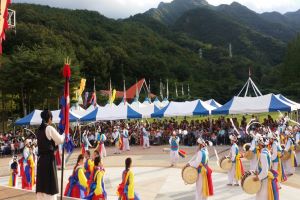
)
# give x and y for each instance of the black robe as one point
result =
(46, 179)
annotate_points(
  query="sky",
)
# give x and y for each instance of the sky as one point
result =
(125, 8)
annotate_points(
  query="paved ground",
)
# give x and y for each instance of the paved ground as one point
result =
(155, 180)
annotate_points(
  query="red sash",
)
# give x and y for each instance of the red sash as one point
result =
(209, 180)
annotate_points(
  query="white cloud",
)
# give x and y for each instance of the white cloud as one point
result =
(125, 8)
(264, 5)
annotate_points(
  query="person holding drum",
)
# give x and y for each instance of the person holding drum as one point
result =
(116, 136)
(236, 172)
(290, 163)
(276, 152)
(174, 142)
(267, 176)
(204, 185)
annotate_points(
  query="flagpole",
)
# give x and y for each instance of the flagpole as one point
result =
(66, 74)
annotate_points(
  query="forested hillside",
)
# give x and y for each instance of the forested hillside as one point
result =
(130, 49)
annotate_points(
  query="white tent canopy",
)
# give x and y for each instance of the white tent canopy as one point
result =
(145, 110)
(78, 110)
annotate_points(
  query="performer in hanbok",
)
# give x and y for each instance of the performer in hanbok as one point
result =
(88, 165)
(254, 148)
(14, 172)
(291, 163)
(48, 139)
(204, 185)
(78, 184)
(126, 187)
(236, 172)
(101, 138)
(297, 139)
(96, 154)
(125, 136)
(97, 188)
(174, 147)
(146, 142)
(116, 136)
(267, 176)
(85, 142)
(27, 167)
(276, 153)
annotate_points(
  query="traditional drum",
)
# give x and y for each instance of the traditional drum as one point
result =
(189, 175)
(286, 155)
(225, 163)
(248, 154)
(248, 184)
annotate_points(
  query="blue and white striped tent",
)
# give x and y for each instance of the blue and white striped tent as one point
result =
(147, 101)
(112, 113)
(295, 105)
(213, 103)
(34, 118)
(187, 108)
(260, 104)
(165, 102)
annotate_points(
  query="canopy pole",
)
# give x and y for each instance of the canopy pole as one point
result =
(254, 90)
(242, 88)
(253, 84)
(247, 88)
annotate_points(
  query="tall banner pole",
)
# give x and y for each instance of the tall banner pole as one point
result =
(65, 112)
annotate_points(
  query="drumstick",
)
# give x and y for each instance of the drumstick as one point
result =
(217, 156)
(234, 128)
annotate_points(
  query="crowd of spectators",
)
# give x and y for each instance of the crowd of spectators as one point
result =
(216, 130)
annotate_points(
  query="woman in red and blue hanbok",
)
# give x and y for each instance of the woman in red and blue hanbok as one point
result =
(126, 188)
(78, 184)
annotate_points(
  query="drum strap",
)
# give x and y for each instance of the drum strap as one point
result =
(293, 159)
(239, 170)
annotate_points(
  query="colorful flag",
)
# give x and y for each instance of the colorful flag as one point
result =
(86, 96)
(113, 96)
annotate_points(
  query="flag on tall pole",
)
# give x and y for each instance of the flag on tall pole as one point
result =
(136, 91)
(161, 89)
(167, 89)
(176, 91)
(189, 90)
(124, 96)
(249, 72)
(86, 96)
(110, 91)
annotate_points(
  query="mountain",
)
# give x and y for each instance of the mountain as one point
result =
(256, 22)
(168, 13)
(219, 29)
(294, 18)
(281, 27)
